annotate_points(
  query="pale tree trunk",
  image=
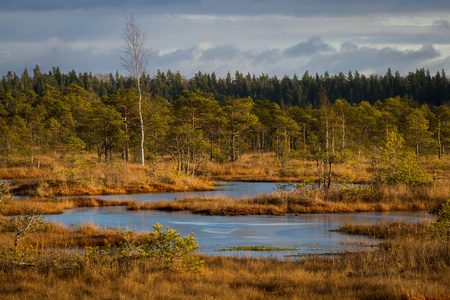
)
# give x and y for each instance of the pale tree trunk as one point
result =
(135, 58)
(141, 123)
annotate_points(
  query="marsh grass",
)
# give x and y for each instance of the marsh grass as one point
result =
(254, 167)
(405, 267)
(410, 264)
(58, 236)
(48, 206)
(381, 198)
(85, 176)
(390, 230)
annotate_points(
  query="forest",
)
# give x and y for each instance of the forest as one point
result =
(219, 119)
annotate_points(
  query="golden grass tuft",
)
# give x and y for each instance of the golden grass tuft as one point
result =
(390, 230)
(48, 206)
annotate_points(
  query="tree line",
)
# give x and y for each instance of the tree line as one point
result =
(421, 86)
(70, 113)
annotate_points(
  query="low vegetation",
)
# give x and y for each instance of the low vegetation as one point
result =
(412, 263)
(312, 200)
(48, 206)
(28, 241)
(82, 175)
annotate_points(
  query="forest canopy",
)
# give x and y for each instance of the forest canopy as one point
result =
(206, 117)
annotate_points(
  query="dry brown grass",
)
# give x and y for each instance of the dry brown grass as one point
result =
(48, 206)
(390, 230)
(85, 176)
(382, 198)
(252, 167)
(409, 265)
(405, 268)
(60, 237)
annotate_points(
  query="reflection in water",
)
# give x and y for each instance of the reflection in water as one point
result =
(306, 233)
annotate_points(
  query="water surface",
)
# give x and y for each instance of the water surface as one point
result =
(309, 233)
(234, 190)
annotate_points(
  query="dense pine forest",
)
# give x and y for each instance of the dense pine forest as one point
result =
(206, 117)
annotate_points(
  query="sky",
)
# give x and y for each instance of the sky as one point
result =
(274, 37)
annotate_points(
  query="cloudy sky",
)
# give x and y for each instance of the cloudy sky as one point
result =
(275, 37)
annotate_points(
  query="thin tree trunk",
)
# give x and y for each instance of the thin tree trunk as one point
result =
(141, 122)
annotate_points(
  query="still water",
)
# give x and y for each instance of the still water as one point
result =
(306, 234)
(228, 189)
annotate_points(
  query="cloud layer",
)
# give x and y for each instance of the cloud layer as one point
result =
(282, 37)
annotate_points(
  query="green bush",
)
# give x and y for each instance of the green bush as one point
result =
(441, 226)
(160, 247)
(401, 164)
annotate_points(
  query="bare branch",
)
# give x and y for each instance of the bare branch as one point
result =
(134, 54)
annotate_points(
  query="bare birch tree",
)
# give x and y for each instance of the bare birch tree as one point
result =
(135, 58)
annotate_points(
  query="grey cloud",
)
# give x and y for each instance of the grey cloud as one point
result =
(159, 59)
(268, 56)
(310, 47)
(221, 52)
(238, 7)
(19, 5)
(224, 58)
(410, 56)
(442, 26)
(350, 56)
(54, 52)
(353, 57)
(38, 26)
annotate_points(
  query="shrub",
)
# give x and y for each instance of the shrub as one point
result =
(160, 247)
(401, 164)
(21, 226)
(441, 226)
